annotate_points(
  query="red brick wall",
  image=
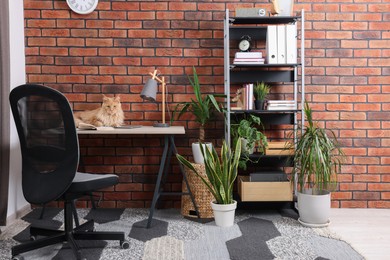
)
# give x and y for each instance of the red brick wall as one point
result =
(112, 50)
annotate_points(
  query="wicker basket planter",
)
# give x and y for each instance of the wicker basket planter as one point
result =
(202, 195)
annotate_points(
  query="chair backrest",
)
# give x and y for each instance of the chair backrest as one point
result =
(48, 141)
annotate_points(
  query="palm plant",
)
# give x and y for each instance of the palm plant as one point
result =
(221, 172)
(317, 157)
(203, 106)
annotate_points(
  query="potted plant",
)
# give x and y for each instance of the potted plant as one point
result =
(260, 92)
(317, 160)
(247, 132)
(203, 107)
(221, 174)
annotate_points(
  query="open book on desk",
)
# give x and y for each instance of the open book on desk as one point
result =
(85, 126)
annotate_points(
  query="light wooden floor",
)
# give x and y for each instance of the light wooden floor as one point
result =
(367, 230)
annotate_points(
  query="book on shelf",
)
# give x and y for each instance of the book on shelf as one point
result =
(246, 55)
(274, 108)
(248, 59)
(281, 105)
(248, 62)
(281, 101)
(248, 96)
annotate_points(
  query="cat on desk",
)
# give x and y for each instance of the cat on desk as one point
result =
(109, 114)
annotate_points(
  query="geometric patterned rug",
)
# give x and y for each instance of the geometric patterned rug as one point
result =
(262, 235)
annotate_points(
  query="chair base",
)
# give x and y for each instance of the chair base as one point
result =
(82, 232)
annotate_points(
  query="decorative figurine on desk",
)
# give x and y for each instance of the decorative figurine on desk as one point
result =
(109, 114)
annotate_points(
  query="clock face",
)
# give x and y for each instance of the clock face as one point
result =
(244, 45)
(82, 6)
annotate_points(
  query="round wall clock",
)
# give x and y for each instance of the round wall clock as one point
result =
(82, 6)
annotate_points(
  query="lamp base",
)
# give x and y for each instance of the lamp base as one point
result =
(161, 125)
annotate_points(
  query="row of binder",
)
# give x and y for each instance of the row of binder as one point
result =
(281, 44)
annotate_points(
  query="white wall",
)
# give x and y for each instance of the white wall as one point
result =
(16, 201)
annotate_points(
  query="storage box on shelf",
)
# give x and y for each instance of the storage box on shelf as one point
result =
(264, 191)
(286, 109)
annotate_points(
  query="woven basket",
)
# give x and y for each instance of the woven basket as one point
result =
(202, 195)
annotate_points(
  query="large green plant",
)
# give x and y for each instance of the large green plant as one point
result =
(318, 156)
(203, 106)
(248, 129)
(221, 172)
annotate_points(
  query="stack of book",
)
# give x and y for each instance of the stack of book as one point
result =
(248, 58)
(281, 105)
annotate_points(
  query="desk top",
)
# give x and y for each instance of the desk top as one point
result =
(147, 130)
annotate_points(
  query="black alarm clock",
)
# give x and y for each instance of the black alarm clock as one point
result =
(245, 43)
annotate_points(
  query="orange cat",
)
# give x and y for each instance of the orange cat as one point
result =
(109, 114)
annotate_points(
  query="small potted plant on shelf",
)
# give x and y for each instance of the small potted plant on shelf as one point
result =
(203, 108)
(247, 132)
(260, 92)
(221, 174)
(317, 160)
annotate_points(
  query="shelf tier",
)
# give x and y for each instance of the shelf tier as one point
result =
(264, 20)
(265, 65)
(244, 76)
(272, 160)
(271, 117)
(255, 32)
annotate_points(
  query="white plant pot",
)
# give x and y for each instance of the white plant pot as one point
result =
(314, 210)
(224, 214)
(198, 157)
(244, 148)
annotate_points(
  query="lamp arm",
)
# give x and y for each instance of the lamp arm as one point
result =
(155, 77)
(162, 81)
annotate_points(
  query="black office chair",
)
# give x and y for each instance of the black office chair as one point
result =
(50, 157)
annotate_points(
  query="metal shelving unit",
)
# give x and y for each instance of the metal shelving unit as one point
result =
(256, 27)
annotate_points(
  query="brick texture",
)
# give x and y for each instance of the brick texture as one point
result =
(111, 51)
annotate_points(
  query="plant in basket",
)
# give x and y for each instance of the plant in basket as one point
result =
(221, 173)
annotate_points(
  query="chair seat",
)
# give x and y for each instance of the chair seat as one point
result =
(87, 182)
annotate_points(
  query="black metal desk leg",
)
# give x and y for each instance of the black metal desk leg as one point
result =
(185, 178)
(158, 182)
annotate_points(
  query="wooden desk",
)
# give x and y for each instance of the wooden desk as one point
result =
(147, 130)
(169, 149)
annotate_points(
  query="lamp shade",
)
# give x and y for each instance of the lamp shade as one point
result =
(149, 91)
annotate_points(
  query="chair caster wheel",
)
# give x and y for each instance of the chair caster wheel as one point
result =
(17, 257)
(124, 244)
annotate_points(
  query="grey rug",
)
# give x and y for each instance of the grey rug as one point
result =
(255, 235)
